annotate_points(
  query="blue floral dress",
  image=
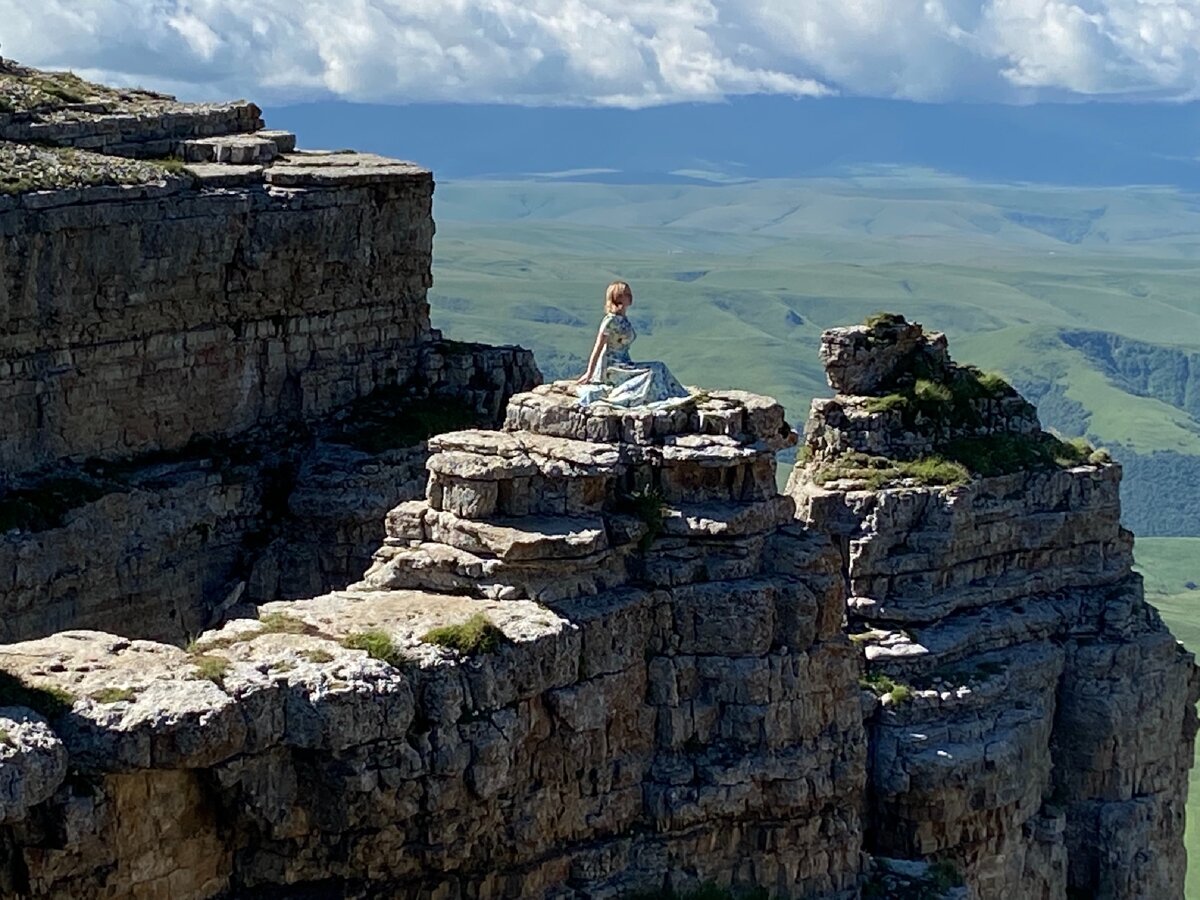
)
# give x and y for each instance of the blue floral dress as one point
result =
(622, 382)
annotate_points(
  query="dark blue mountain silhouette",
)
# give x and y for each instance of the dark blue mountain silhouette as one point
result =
(772, 137)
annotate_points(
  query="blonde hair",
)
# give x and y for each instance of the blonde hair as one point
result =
(615, 290)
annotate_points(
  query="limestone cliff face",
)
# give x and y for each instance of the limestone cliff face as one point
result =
(1037, 717)
(670, 684)
(673, 701)
(178, 345)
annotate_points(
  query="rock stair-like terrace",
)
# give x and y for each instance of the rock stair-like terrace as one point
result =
(543, 512)
(674, 702)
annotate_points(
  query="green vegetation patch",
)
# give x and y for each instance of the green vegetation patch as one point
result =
(882, 686)
(378, 644)
(957, 461)
(389, 418)
(283, 623)
(30, 90)
(876, 472)
(26, 167)
(476, 635)
(211, 668)
(951, 402)
(1003, 454)
(316, 655)
(44, 505)
(51, 702)
(889, 403)
(648, 505)
(114, 695)
(884, 320)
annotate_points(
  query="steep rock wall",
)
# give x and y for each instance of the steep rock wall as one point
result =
(135, 321)
(647, 722)
(1035, 718)
(180, 346)
(674, 698)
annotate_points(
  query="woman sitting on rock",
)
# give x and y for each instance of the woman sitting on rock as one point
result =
(611, 376)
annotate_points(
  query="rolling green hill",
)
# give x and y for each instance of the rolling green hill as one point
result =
(1084, 297)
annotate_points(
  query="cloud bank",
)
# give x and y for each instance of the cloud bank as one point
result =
(619, 52)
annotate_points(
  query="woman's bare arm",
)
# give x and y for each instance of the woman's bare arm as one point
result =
(594, 359)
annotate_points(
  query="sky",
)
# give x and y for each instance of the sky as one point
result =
(619, 53)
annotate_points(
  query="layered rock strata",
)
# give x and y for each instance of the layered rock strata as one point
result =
(189, 307)
(1030, 717)
(673, 701)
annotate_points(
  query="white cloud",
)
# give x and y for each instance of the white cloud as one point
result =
(618, 52)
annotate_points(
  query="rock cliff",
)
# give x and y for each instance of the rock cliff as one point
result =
(1034, 717)
(604, 656)
(662, 692)
(197, 323)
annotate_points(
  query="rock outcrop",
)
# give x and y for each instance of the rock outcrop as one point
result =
(671, 698)
(190, 307)
(1035, 718)
(604, 656)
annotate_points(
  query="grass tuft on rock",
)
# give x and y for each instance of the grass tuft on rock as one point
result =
(316, 655)
(378, 644)
(476, 635)
(959, 460)
(877, 472)
(1002, 454)
(211, 668)
(51, 702)
(283, 623)
(951, 401)
(114, 695)
(888, 403)
(882, 686)
(880, 320)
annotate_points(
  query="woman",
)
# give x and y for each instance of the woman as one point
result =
(611, 376)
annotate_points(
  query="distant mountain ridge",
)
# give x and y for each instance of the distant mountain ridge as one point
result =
(772, 137)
